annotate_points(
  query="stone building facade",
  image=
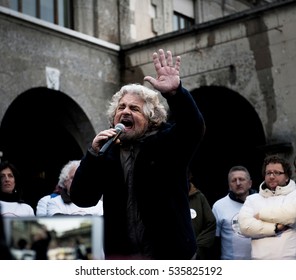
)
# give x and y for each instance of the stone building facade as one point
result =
(238, 61)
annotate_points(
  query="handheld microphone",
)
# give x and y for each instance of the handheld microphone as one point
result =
(119, 129)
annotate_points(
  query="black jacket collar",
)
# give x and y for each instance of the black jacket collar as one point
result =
(233, 196)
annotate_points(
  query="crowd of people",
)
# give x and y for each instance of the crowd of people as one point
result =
(151, 205)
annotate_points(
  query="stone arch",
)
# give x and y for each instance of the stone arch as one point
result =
(234, 135)
(42, 130)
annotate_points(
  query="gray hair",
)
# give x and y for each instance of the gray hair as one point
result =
(64, 175)
(152, 109)
(239, 168)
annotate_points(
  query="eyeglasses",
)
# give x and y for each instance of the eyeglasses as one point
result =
(274, 173)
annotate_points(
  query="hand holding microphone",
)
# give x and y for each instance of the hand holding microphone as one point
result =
(109, 134)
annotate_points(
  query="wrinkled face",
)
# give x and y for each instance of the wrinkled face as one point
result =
(275, 176)
(130, 113)
(7, 180)
(239, 182)
(68, 181)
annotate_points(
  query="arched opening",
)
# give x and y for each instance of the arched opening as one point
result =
(41, 131)
(233, 136)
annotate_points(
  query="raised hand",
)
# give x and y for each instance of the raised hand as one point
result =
(168, 77)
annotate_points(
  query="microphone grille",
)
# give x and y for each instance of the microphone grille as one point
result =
(119, 127)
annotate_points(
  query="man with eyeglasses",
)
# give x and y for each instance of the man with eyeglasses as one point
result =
(269, 217)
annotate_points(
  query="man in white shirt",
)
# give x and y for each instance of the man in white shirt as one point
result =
(231, 244)
(62, 204)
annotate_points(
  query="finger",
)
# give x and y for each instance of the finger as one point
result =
(162, 58)
(105, 135)
(150, 80)
(169, 59)
(156, 61)
(178, 63)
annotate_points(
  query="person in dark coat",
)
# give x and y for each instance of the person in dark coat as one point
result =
(203, 222)
(142, 176)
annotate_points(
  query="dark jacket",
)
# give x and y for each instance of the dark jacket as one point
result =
(204, 224)
(160, 185)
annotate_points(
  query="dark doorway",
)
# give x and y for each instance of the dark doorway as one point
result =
(233, 134)
(40, 132)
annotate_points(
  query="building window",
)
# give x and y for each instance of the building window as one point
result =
(182, 22)
(55, 11)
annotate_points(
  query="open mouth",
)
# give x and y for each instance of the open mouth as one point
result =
(127, 123)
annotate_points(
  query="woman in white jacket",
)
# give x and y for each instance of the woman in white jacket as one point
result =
(268, 217)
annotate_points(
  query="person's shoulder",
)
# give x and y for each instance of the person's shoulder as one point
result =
(98, 208)
(16, 209)
(197, 194)
(56, 205)
(292, 185)
(253, 199)
(55, 200)
(24, 204)
(221, 201)
(253, 196)
(44, 199)
(200, 194)
(291, 190)
(28, 208)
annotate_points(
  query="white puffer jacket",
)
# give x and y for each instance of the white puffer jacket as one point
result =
(277, 206)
